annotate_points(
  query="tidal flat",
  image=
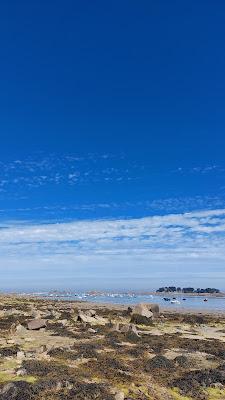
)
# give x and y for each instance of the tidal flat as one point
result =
(54, 350)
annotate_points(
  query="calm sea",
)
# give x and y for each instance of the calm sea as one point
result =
(177, 302)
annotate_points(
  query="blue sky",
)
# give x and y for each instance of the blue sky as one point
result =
(112, 144)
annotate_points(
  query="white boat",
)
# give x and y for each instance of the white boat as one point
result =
(175, 302)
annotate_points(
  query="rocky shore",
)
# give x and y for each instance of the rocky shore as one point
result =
(67, 350)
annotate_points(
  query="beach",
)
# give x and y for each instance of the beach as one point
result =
(54, 349)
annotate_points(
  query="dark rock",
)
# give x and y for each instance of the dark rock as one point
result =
(141, 320)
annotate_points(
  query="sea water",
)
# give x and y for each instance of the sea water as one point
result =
(213, 304)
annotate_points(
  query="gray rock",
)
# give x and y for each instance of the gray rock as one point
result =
(82, 317)
(115, 327)
(124, 328)
(35, 313)
(21, 372)
(64, 322)
(217, 385)
(36, 324)
(91, 330)
(119, 395)
(20, 329)
(9, 391)
(90, 313)
(154, 308)
(20, 355)
(141, 315)
(134, 329)
(143, 310)
(55, 314)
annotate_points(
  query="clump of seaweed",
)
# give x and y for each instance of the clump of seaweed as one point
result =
(193, 383)
(159, 362)
(182, 361)
(62, 354)
(87, 350)
(43, 368)
(109, 368)
(9, 351)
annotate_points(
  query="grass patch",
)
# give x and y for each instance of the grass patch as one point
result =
(177, 396)
(5, 377)
(215, 394)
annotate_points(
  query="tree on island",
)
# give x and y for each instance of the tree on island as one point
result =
(172, 289)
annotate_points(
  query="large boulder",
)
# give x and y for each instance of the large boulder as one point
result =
(154, 308)
(141, 319)
(143, 310)
(83, 317)
(91, 313)
(143, 314)
(36, 324)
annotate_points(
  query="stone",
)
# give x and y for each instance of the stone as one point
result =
(41, 349)
(141, 315)
(91, 330)
(115, 327)
(141, 320)
(28, 340)
(133, 329)
(100, 320)
(20, 329)
(64, 322)
(20, 355)
(68, 385)
(10, 341)
(217, 385)
(90, 313)
(55, 314)
(35, 313)
(143, 310)
(12, 311)
(119, 395)
(21, 372)
(58, 386)
(36, 324)
(82, 317)
(154, 308)
(9, 391)
(124, 328)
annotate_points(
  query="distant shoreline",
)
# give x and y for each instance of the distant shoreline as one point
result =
(68, 293)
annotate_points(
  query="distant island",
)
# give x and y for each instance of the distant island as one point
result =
(172, 289)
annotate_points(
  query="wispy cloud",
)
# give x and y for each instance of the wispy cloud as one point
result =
(171, 238)
(40, 170)
(201, 169)
(143, 207)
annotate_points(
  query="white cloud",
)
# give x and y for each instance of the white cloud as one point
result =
(200, 233)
